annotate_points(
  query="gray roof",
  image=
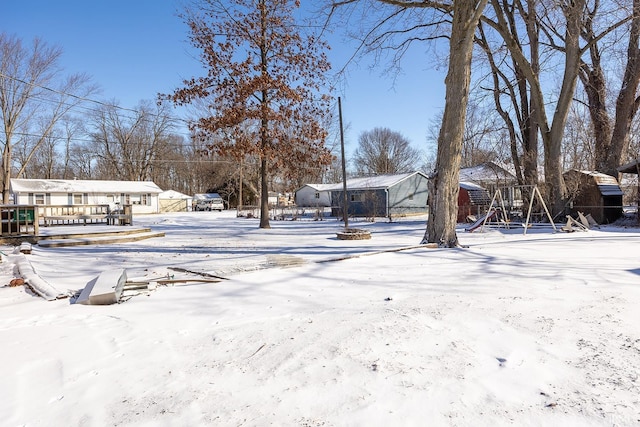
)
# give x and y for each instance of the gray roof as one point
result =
(486, 172)
(19, 185)
(319, 187)
(471, 186)
(374, 182)
(206, 196)
(173, 194)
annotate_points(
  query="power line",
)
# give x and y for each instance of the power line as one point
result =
(89, 100)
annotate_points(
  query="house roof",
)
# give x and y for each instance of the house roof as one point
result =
(173, 194)
(206, 196)
(318, 187)
(470, 186)
(19, 185)
(477, 194)
(488, 171)
(374, 182)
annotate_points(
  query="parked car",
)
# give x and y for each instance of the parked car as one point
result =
(208, 202)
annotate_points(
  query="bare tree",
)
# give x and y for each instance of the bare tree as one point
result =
(511, 90)
(578, 146)
(263, 88)
(71, 128)
(417, 21)
(611, 134)
(563, 29)
(383, 151)
(128, 142)
(32, 88)
(82, 161)
(37, 157)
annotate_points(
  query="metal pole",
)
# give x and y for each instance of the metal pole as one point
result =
(345, 214)
(239, 204)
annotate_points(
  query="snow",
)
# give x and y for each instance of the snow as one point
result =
(309, 330)
(82, 186)
(369, 182)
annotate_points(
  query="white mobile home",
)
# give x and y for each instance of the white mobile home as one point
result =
(141, 195)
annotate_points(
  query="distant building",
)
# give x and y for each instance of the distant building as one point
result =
(141, 195)
(489, 175)
(314, 195)
(174, 201)
(492, 177)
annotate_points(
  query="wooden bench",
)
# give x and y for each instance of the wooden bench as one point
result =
(74, 219)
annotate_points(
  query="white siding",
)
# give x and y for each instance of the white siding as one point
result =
(142, 195)
(309, 196)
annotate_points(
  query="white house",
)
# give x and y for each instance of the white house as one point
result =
(142, 195)
(314, 195)
(174, 201)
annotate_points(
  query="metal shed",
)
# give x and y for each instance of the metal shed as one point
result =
(382, 195)
(594, 193)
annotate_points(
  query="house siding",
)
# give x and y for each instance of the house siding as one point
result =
(306, 197)
(148, 193)
(361, 202)
(409, 196)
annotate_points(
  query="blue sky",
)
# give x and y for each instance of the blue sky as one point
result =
(134, 49)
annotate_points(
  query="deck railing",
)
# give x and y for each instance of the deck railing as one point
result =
(19, 220)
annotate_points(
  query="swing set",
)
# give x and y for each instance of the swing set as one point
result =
(498, 214)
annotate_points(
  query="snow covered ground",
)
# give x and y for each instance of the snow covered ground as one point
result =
(308, 330)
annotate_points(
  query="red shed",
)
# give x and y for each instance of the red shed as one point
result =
(472, 200)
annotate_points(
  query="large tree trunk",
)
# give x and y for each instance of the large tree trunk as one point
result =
(552, 138)
(594, 83)
(627, 103)
(612, 139)
(530, 125)
(264, 194)
(443, 199)
(6, 173)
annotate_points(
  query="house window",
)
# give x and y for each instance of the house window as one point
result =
(134, 199)
(357, 197)
(78, 199)
(145, 199)
(38, 199)
(317, 195)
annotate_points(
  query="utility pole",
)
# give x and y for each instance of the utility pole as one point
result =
(345, 213)
(239, 207)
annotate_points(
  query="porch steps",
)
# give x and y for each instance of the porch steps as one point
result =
(97, 238)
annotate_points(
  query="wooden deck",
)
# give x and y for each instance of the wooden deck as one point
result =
(97, 238)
